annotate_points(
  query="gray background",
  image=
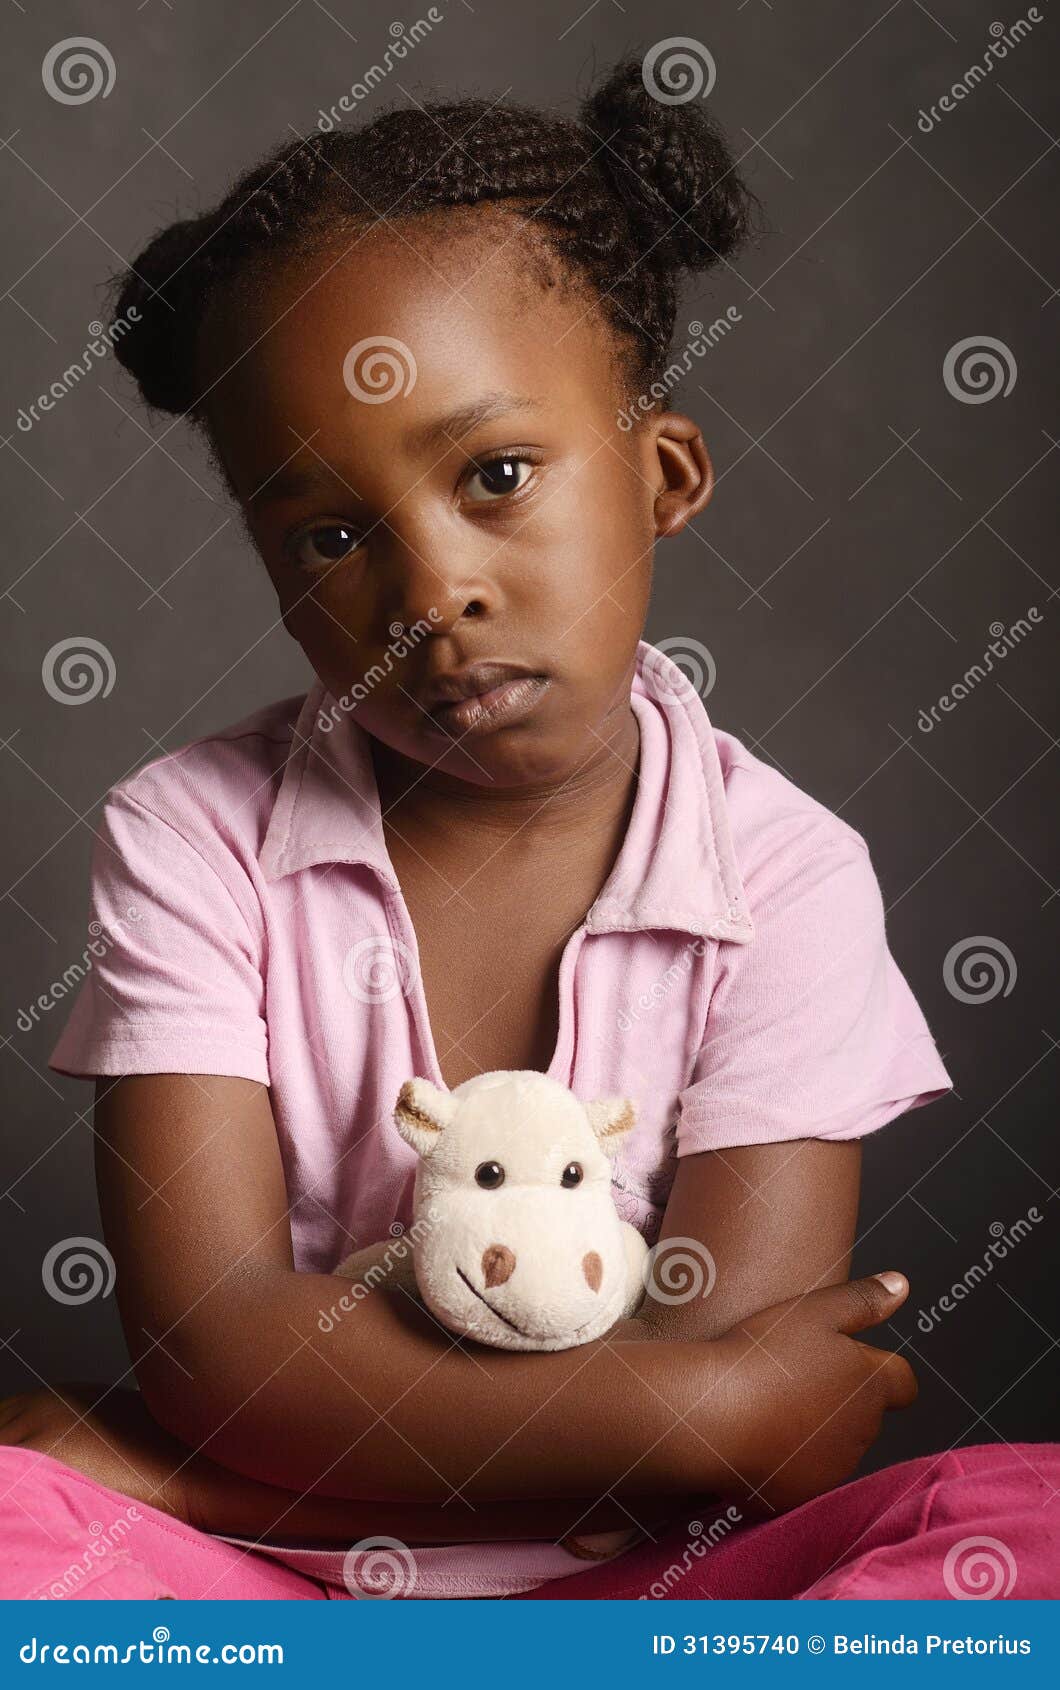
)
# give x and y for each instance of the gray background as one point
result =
(868, 528)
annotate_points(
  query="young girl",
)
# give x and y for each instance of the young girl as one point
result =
(499, 832)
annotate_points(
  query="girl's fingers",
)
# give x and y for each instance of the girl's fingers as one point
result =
(861, 1303)
(898, 1378)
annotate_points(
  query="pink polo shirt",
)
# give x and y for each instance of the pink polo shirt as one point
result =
(732, 977)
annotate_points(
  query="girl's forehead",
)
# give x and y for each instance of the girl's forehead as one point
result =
(381, 332)
(395, 281)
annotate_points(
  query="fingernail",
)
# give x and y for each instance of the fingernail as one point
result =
(893, 1281)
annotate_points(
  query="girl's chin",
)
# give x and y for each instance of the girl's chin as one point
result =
(491, 763)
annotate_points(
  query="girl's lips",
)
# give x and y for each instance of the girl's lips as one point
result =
(499, 707)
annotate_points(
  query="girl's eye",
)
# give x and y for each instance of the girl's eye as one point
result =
(572, 1175)
(489, 1175)
(498, 477)
(322, 546)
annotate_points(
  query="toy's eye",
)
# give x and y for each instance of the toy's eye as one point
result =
(572, 1175)
(490, 1175)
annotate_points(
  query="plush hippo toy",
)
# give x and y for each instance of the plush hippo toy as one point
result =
(516, 1241)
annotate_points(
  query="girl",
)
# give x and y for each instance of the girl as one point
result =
(499, 832)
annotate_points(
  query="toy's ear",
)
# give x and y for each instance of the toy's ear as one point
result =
(421, 1113)
(611, 1118)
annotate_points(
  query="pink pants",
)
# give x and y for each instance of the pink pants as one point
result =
(978, 1522)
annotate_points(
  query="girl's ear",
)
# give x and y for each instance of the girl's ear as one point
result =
(611, 1118)
(421, 1114)
(682, 470)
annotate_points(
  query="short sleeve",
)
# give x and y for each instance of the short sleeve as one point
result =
(172, 976)
(811, 1031)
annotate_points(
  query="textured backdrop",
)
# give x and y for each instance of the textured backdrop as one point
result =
(871, 582)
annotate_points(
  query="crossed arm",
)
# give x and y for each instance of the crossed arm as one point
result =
(457, 1441)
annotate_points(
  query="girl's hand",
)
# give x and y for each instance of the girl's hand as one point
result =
(117, 1443)
(807, 1398)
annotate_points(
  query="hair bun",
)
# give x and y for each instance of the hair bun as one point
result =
(158, 350)
(667, 159)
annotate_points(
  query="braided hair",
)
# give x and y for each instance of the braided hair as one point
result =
(627, 197)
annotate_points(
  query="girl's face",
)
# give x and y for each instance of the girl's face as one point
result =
(423, 436)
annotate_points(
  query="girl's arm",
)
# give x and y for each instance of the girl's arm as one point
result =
(110, 1435)
(234, 1360)
(776, 1219)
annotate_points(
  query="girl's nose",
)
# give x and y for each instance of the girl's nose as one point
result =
(437, 589)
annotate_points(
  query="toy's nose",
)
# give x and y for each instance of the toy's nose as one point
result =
(593, 1269)
(498, 1264)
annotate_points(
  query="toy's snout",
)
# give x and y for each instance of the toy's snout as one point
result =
(526, 1267)
(498, 1265)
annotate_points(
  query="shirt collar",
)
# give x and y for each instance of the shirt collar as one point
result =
(676, 867)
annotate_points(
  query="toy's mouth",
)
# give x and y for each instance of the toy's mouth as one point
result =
(538, 1337)
(523, 1334)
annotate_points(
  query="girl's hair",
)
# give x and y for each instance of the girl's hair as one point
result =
(628, 196)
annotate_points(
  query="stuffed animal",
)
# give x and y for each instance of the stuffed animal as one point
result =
(516, 1241)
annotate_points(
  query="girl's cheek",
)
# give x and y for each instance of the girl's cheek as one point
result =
(291, 594)
(331, 598)
(302, 610)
